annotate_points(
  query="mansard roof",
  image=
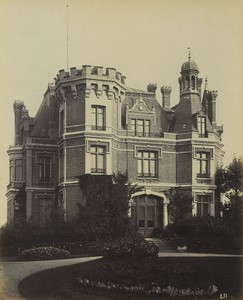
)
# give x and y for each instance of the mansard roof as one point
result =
(185, 112)
(41, 121)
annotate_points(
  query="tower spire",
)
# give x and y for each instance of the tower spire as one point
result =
(189, 52)
(206, 82)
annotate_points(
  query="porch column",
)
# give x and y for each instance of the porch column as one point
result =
(166, 217)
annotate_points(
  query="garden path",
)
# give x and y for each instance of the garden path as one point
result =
(12, 272)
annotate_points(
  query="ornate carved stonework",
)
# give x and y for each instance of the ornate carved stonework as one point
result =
(74, 91)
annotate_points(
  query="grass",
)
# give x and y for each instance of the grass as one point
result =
(59, 283)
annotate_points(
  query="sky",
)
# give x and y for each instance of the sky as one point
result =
(146, 40)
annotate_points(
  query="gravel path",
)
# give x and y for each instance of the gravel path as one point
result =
(12, 272)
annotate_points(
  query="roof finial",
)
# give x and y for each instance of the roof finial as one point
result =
(206, 82)
(189, 53)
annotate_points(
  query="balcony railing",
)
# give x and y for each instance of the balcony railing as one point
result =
(101, 128)
(203, 175)
(203, 135)
(15, 184)
(147, 175)
(98, 171)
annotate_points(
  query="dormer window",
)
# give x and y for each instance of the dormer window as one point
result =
(98, 117)
(140, 127)
(202, 126)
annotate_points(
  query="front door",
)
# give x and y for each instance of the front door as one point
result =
(147, 213)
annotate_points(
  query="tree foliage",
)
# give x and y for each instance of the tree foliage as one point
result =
(20, 206)
(180, 206)
(107, 204)
(229, 181)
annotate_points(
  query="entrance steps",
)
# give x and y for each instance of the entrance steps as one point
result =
(163, 245)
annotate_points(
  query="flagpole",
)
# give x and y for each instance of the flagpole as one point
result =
(67, 37)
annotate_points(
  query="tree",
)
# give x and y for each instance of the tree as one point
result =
(107, 205)
(180, 206)
(229, 181)
(20, 206)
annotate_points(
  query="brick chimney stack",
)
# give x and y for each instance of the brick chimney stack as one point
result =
(166, 90)
(212, 107)
(18, 106)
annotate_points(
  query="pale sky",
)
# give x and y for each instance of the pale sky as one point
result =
(145, 40)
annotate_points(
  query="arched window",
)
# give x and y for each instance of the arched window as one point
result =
(193, 82)
(187, 83)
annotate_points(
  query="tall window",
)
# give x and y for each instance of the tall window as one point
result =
(203, 205)
(147, 164)
(146, 211)
(140, 127)
(16, 170)
(61, 124)
(150, 216)
(98, 117)
(203, 164)
(10, 210)
(44, 211)
(61, 164)
(141, 216)
(44, 168)
(202, 127)
(98, 159)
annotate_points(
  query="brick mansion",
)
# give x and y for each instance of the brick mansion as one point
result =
(90, 122)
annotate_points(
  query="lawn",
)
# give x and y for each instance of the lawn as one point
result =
(180, 272)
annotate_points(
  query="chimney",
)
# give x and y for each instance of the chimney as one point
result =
(152, 87)
(212, 107)
(166, 90)
(18, 106)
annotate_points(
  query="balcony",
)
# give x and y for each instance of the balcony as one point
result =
(15, 185)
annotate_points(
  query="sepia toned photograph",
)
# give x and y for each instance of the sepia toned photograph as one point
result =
(121, 149)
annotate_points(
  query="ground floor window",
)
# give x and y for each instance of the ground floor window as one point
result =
(44, 209)
(203, 205)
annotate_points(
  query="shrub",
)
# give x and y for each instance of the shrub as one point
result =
(203, 235)
(43, 253)
(130, 247)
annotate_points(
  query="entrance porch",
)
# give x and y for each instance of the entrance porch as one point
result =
(149, 209)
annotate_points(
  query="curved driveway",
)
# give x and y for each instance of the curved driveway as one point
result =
(12, 272)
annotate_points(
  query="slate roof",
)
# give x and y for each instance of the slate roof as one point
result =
(185, 115)
(41, 120)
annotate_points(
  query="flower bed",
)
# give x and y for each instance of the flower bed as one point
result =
(152, 288)
(43, 253)
(130, 247)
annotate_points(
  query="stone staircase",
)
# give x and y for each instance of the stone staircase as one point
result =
(163, 245)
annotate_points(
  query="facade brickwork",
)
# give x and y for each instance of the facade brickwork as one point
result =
(90, 122)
